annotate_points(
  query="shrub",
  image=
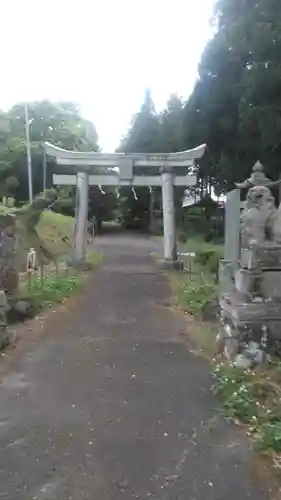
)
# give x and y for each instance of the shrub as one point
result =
(253, 398)
(195, 294)
(213, 263)
(209, 257)
(204, 255)
(182, 237)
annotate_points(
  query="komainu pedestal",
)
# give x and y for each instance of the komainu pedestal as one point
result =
(250, 296)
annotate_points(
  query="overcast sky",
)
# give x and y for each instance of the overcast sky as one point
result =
(102, 54)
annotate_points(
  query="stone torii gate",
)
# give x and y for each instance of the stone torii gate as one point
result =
(121, 172)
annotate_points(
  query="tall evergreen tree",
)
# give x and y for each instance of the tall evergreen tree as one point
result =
(144, 133)
(236, 103)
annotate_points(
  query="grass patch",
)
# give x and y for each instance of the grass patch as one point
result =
(195, 292)
(207, 255)
(194, 289)
(191, 295)
(55, 288)
(254, 398)
(192, 292)
(196, 244)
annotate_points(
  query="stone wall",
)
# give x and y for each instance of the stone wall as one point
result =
(9, 268)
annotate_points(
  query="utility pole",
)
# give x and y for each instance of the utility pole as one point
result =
(44, 171)
(151, 211)
(29, 167)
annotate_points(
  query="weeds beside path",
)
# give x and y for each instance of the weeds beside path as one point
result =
(195, 292)
(252, 398)
(40, 293)
(56, 232)
(55, 288)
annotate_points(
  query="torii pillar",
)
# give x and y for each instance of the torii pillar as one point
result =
(169, 222)
(81, 218)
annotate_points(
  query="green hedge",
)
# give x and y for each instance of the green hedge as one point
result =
(209, 258)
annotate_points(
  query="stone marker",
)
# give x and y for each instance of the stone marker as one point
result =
(232, 227)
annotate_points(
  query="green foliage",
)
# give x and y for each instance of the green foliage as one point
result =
(253, 398)
(209, 257)
(236, 102)
(269, 438)
(59, 123)
(204, 218)
(102, 205)
(213, 263)
(182, 236)
(239, 391)
(205, 255)
(196, 288)
(196, 292)
(54, 289)
(143, 135)
(172, 126)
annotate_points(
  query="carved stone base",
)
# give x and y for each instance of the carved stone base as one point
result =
(270, 284)
(249, 331)
(265, 256)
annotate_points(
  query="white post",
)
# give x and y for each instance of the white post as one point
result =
(80, 236)
(151, 211)
(29, 167)
(44, 171)
(94, 226)
(170, 249)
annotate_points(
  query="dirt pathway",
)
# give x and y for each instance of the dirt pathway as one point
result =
(111, 405)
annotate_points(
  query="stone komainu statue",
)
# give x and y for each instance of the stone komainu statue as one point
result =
(258, 219)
